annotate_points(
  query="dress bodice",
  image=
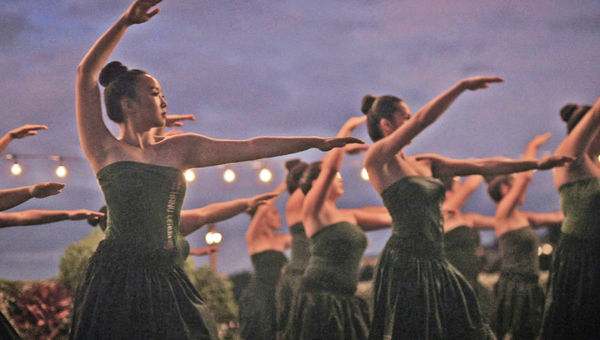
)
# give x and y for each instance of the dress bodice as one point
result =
(580, 203)
(336, 253)
(414, 202)
(300, 249)
(144, 203)
(519, 251)
(460, 246)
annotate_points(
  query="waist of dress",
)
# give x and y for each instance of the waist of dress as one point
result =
(519, 276)
(114, 255)
(578, 246)
(415, 244)
(330, 279)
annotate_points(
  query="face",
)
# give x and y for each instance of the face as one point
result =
(273, 218)
(337, 187)
(151, 103)
(400, 117)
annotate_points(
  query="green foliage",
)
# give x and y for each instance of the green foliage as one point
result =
(74, 260)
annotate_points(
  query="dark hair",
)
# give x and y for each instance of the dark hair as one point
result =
(377, 108)
(309, 175)
(447, 181)
(118, 82)
(494, 186)
(295, 168)
(101, 221)
(572, 114)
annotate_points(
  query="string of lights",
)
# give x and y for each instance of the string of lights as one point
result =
(265, 174)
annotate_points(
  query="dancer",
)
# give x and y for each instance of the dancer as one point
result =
(325, 306)
(519, 299)
(417, 293)
(573, 299)
(300, 253)
(265, 247)
(461, 237)
(143, 186)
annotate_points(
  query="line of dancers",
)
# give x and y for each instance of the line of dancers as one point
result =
(134, 285)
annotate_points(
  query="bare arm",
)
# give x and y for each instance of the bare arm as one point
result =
(481, 221)
(12, 197)
(18, 133)
(94, 136)
(370, 218)
(383, 150)
(33, 217)
(544, 219)
(192, 220)
(460, 195)
(332, 162)
(201, 151)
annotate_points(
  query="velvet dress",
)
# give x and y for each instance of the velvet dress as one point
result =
(418, 294)
(134, 286)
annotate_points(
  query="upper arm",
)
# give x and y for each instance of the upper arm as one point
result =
(544, 219)
(481, 221)
(372, 219)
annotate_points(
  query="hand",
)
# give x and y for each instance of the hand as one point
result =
(553, 161)
(477, 83)
(41, 190)
(139, 12)
(26, 130)
(83, 214)
(258, 200)
(355, 149)
(204, 251)
(539, 140)
(327, 144)
(175, 120)
(354, 122)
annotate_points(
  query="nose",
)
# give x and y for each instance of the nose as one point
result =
(163, 102)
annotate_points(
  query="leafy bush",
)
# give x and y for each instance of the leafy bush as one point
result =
(75, 258)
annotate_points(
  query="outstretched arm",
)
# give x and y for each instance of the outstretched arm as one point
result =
(12, 197)
(481, 221)
(18, 133)
(372, 218)
(332, 162)
(192, 220)
(201, 151)
(383, 150)
(33, 217)
(544, 219)
(94, 136)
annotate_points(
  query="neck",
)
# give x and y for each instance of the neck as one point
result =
(140, 139)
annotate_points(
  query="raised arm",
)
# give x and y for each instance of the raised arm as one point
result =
(383, 150)
(460, 195)
(18, 133)
(201, 151)
(12, 197)
(94, 136)
(332, 162)
(577, 144)
(33, 217)
(192, 220)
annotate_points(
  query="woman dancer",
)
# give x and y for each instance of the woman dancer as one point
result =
(300, 253)
(325, 306)
(573, 299)
(461, 236)
(133, 286)
(265, 247)
(519, 299)
(417, 294)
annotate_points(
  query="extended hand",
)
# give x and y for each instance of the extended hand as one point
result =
(26, 130)
(337, 142)
(539, 140)
(41, 190)
(355, 149)
(354, 122)
(553, 161)
(139, 12)
(477, 83)
(175, 120)
(259, 200)
(83, 214)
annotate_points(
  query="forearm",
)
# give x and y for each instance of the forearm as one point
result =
(192, 220)
(33, 217)
(499, 165)
(4, 141)
(12, 197)
(97, 56)
(435, 108)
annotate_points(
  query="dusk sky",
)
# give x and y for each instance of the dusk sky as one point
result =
(284, 68)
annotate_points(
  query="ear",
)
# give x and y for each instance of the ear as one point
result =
(128, 105)
(386, 126)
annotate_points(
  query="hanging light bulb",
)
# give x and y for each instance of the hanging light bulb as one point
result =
(213, 237)
(61, 171)
(364, 174)
(189, 175)
(16, 169)
(265, 175)
(229, 175)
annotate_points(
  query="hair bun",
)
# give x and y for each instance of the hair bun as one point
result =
(110, 72)
(289, 165)
(367, 102)
(567, 111)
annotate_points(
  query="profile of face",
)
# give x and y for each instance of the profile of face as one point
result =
(401, 115)
(272, 217)
(336, 190)
(150, 101)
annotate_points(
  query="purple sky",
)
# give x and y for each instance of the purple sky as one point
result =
(249, 68)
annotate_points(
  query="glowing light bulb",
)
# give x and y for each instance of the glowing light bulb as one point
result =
(229, 175)
(61, 171)
(364, 174)
(213, 237)
(265, 175)
(16, 169)
(547, 249)
(189, 175)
